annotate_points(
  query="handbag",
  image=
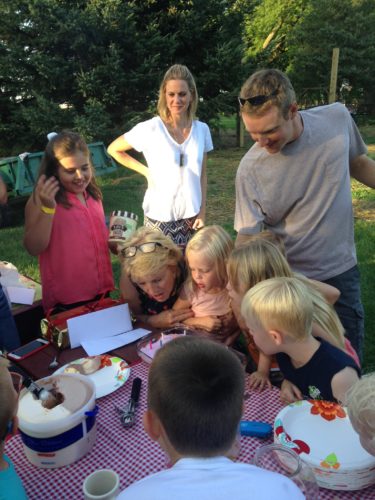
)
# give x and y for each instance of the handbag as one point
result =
(54, 326)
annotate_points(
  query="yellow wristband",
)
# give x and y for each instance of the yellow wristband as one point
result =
(47, 210)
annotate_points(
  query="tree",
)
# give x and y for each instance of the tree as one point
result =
(298, 37)
(96, 65)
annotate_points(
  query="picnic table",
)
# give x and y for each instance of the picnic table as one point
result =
(130, 452)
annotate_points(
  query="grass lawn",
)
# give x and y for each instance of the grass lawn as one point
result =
(123, 190)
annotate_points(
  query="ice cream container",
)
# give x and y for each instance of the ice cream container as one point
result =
(121, 226)
(58, 436)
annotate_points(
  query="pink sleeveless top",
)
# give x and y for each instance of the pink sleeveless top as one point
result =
(76, 265)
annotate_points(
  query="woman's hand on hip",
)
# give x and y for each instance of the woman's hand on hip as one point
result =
(198, 223)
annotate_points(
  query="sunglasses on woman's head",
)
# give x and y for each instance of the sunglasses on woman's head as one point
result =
(144, 248)
(257, 100)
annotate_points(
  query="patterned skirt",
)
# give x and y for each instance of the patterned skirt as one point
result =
(180, 231)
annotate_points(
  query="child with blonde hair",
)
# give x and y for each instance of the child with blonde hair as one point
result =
(279, 313)
(205, 288)
(360, 401)
(259, 260)
(11, 487)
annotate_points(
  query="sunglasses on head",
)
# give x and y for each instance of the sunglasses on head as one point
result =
(144, 248)
(257, 100)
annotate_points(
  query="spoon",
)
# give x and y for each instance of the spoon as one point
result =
(54, 363)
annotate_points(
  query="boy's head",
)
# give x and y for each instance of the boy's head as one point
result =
(195, 397)
(278, 311)
(8, 398)
(361, 409)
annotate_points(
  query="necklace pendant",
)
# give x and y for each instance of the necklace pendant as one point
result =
(182, 158)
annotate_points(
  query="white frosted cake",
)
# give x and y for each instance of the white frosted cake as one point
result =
(150, 346)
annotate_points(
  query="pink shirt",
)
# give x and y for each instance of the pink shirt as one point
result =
(76, 265)
(208, 304)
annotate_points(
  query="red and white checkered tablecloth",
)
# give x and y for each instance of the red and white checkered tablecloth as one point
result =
(131, 453)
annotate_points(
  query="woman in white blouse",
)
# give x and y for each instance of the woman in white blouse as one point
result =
(175, 147)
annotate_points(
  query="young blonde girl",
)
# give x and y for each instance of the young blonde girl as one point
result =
(65, 225)
(205, 288)
(259, 260)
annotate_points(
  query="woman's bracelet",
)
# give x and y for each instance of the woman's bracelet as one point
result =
(48, 210)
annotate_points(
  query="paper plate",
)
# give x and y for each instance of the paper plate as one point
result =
(112, 374)
(321, 433)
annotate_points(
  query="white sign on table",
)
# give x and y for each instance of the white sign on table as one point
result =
(102, 331)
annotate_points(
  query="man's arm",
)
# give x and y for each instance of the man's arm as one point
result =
(362, 168)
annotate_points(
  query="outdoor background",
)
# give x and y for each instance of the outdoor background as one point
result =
(95, 66)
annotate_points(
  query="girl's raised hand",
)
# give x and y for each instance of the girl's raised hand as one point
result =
(46, 190)
(259, 380)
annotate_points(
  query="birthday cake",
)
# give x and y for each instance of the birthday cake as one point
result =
(322, 434)
(149, 346)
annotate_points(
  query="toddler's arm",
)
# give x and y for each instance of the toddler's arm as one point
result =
(209, 323)
(289, 392)
(38, 222)
(330, 293)
(260, 378)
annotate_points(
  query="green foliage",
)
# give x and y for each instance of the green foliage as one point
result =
(96, 65)
(298, 37)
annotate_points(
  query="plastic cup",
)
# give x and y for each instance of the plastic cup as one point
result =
(103, 484)
(281, 459)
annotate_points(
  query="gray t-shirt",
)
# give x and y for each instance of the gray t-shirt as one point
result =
(303, 193)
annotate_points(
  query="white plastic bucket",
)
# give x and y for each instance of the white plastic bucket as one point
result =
(64, 434)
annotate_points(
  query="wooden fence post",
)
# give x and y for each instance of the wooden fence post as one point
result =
(334, 69)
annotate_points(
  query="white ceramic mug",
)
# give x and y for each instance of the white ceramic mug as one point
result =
(103, 484)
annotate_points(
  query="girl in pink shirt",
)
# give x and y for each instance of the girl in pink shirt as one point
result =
(205, 289)
(65, 225)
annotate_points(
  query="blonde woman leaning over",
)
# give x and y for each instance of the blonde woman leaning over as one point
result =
(175, 147)
(152, 274)
(260, 260)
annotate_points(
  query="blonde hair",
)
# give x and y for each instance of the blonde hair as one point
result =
(7, 398)
(177, 72)
(264, 235)
(259, 260)
(282, 304)
(263, 83)
(325, 315)
(215, 244)
(360, 400)
(145, 264)
(256, 261)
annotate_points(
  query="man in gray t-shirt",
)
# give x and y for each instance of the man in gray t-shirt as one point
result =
(295, 181)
